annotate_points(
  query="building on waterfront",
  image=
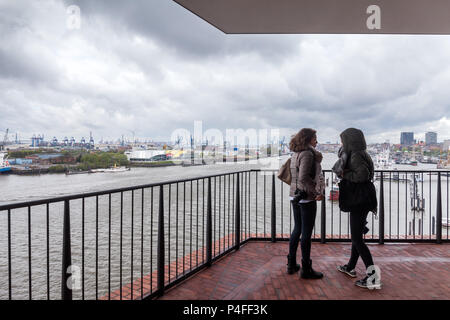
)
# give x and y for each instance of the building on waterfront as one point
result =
(430, 138)
(407, 138)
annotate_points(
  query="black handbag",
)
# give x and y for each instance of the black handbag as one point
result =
(357, 196)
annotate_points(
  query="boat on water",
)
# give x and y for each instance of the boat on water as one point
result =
(383, 161)
(113, 169)
(4, 164)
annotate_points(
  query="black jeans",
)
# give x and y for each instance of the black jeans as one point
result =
(304, 217)
(359, 248)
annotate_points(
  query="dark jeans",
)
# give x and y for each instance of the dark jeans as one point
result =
(304, 217)
(359, 248)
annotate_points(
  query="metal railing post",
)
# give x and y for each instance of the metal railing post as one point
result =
(381, 210)
(323, 225)
(209, 227)
(66, 290)
(161, 274)
(439, 211)
(273, 211)
(237, 222)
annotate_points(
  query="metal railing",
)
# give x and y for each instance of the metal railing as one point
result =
(139, 241)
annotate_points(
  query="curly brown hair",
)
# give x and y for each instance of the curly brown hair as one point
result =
(302, 139)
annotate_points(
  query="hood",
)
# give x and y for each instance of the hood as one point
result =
(353, 140)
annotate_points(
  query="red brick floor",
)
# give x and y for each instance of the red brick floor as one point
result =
(257, 271)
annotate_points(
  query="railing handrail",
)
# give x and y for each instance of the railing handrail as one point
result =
(157, 184)
(106, 192)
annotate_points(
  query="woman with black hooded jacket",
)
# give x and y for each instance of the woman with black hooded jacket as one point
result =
(356, 166)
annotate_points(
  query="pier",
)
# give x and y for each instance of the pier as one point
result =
(221, 236)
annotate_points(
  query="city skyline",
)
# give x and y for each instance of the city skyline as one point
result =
(154, 67)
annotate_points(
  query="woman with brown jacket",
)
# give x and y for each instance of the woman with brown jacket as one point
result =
(303, 197)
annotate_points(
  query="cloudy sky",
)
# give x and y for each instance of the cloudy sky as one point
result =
(151, 67)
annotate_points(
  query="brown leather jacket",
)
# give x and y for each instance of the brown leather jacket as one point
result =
(304, 161)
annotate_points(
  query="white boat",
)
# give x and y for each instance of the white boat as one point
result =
(383, 161)
(115, 168)
(4, 164)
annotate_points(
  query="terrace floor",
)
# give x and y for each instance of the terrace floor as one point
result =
(257, 271)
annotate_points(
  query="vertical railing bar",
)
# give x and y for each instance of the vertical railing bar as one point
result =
(190, 231)
(66, 291)
(406, 205)
(9, 257)
(237, 218)
(48, 249)
(161, 275)
(421, 200)
(390, 205)
(429, 197)
(132, 243)
(142, 243)
(109, 246)
(249, 204)
(121, 231)
(332, 207)
(282, 214)
(448, 175)
(242, 218)
(82, 248)
(398, 206)
(273, 211)
(168, 232)
(439, 210)
(151, 240)
(323, 225)
(414, 213)
(203, 220)
(234, 210)
(381, 221)
(214, 219)
(224, 209)
(29, 255)
(209, 226)
(256, 204)
(265, 234)
(176, 235)
(96, 248)
(220, 207)
(229, 205)
(184, 226)
(196, 250)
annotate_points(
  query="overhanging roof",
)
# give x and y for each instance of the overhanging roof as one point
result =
(324, 16)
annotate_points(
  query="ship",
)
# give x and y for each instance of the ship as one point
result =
(383, 161)
(115, 168)
(4, 164)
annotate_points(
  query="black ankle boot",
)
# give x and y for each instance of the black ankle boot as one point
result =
(308, 272)
(292, 266)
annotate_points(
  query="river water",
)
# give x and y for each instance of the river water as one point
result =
(184, 222)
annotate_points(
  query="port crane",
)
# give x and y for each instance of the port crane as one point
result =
(5, 140)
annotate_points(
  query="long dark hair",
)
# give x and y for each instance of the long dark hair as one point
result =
(302, 139)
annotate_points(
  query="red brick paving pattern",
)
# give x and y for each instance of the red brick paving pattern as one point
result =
(257, 271)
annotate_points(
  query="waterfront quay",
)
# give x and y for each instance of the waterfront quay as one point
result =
(168, 239)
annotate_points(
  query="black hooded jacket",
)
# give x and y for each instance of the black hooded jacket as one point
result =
(359, 167)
